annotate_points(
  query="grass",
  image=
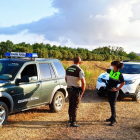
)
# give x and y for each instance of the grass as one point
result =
(91, 72)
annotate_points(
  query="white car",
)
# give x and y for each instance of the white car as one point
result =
(131, 73)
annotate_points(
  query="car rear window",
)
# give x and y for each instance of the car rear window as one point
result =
(45, 71)
(60, 69)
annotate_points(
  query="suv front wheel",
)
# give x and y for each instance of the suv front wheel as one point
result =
(57, 102)
(137, 94)
(3, 114)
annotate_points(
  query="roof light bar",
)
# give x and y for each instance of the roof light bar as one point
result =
(21, 54)
(33, 55)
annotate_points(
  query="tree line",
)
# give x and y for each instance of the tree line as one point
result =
(106, 53)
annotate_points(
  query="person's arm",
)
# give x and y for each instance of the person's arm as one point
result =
(122, 83)
(102, 68)
(117, 89)
(83, 87)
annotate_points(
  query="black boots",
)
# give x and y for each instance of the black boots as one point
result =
(108, 120)
(73, 124)
(112, 123)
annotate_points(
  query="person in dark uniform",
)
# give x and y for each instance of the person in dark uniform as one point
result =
(115, 78)
(75, 79)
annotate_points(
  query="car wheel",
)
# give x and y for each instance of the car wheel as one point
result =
(120, 98)
(101, 94)
(137, 94)
(3, 114)
(57, 102)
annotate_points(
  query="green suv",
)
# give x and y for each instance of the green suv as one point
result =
(27, 82)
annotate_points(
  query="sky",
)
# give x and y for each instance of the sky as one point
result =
(73, 23)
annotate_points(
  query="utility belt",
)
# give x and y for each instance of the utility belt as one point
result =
(109, 88)
(76, 89)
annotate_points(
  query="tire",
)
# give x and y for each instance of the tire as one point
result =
(3, 114)
(57, 102)
(120, 98)
(137, 94)
(101, 94)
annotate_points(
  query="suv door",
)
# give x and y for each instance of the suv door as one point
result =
(28, 94)
(49, 81)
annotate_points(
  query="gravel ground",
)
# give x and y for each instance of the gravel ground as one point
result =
(41, 124)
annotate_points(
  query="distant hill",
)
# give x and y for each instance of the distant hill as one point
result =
(138, 54)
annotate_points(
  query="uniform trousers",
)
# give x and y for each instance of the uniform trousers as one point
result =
(112, 96)
(74, 100)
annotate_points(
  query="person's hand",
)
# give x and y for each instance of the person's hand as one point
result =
(81, 95)
(114, 89)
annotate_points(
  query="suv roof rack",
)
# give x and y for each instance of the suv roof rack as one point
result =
(25, 58)
(131, 60)
(45, 59)
(40, 58)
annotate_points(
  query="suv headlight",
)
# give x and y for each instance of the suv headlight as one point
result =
(127, 82)
(100, 80)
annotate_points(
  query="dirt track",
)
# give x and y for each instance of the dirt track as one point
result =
(41, 124)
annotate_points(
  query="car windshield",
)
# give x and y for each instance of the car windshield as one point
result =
(8, 69)
(131, 69)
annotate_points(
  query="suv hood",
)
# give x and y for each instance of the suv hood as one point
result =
(126, 76)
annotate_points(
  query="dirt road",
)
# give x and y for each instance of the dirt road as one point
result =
(41, 124)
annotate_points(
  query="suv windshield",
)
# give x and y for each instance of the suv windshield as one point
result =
(8, 69)
(131, 69)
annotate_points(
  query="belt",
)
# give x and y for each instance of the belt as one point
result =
(72, 88)
(109, 90)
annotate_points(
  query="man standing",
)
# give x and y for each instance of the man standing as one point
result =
(75, 79)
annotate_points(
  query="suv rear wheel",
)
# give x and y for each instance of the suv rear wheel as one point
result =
(101, 94)
(57, 102)
(137, 95)
(3, 114)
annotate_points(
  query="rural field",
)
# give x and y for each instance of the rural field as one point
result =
(41, 124)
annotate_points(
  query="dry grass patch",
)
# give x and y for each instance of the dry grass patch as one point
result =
(29, 114)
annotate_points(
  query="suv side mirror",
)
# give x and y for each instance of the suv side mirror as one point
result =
(24, 79)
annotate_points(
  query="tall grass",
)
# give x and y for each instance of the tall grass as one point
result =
(91, 72)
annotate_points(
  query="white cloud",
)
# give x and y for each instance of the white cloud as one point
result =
(26, 37)
(83, 23)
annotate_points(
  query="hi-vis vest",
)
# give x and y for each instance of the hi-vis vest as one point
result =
(114, 75)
